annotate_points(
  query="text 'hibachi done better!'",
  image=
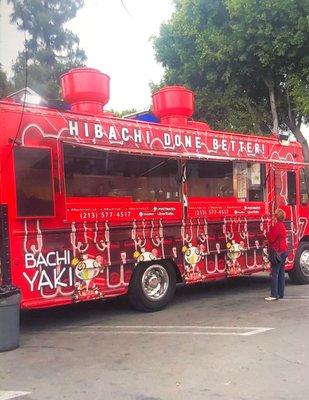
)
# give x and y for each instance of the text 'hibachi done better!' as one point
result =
(149, 138)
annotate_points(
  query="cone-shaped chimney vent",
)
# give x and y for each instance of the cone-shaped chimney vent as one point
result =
(173, 105)
(86, 89)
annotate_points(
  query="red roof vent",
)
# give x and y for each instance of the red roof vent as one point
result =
(173, 105)
(86, 89)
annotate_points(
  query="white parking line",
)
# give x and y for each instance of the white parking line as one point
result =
(165, 330)
(7, 394)
(256, 331)
(171, 327)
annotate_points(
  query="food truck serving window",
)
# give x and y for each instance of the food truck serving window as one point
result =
(249, 181)
(245, 181)
(210, 178)
(91, 172)
(33, 177)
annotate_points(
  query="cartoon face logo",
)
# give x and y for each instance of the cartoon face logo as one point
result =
(192, 255)
(87, 268)
(145, 255)
(234, 250)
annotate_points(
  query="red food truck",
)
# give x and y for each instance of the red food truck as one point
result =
(93, 206)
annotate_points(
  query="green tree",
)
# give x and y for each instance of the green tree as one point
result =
(247, 61)
(192, 47)
(122, 113)
(4, 82)
(50, 48)
(273, 37)
(5, 86)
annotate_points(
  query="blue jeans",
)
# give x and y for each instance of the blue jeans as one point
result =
(278, 277)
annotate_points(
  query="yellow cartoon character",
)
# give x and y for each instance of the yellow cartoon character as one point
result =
(192, 256)
(86, 270)
(235, 250)
(145, 255)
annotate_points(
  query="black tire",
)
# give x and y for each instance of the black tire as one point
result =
(300, 273)
(137, 297)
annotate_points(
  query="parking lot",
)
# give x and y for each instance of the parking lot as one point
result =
(218, 340)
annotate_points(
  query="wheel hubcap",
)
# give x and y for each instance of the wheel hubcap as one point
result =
(304, 262)
(155, 282)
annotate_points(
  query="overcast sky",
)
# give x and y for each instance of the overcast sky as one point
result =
(116, 37)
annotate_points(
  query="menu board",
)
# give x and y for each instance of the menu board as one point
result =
(255, 174)
(241, 180)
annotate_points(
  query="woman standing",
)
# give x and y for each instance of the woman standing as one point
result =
(277, 246)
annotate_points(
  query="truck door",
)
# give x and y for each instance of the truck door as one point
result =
(303, 202)
(285, 197)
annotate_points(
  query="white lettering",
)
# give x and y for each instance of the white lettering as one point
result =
(259, 148)
(148, 137)
(125, 134)
(73, 128)
(51, 254)
(57, 278)
(177, 140)
(51, 259)
(31, 281)
(198, 143)
(65, 259)
(249, 147)
(215, 144)
(44, 281)
(137, 136)
(224, 145)
(167, 139)
(188, 141)
(233, 144)
(112, 134)
(86, 128)
(98, 131)
(30, 261)
(71, 277)
(41, 260)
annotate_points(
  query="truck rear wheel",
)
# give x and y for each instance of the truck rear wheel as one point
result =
(300, 273)
(152, 286)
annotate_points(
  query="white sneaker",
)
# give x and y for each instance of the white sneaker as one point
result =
(271, 298)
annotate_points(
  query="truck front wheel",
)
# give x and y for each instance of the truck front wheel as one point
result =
(300, 273)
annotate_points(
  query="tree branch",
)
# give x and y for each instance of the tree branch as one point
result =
(289, 107)
(271, 90)
(252, 113)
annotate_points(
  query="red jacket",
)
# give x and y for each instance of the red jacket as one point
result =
(277, 237)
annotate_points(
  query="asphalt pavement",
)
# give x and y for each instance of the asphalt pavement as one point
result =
(218, 340)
